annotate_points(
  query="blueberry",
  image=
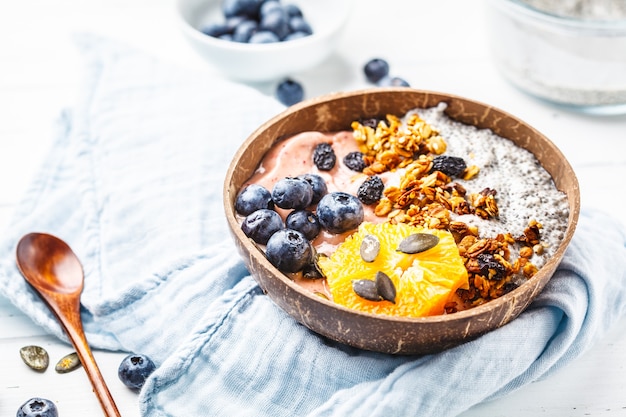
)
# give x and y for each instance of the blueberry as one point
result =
(452, 166)
(275, 22)
(268, 7)
(135, 369)
(305, 222)
(339, 212)
(371, 190)
(37, 407)
(216, 29)
(355, 161)
(295, 35)
(298, 24)
(324, 157)
(392, 82)
(292, 10)
(263, 36)
(261, 224)
(252, 198)
(319, 186)
(292, 193)
(247, 8)
(289, 92)
(289, 250)
(375, 69)
(244, 30)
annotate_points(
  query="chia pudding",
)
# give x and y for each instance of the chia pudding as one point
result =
(501, 207)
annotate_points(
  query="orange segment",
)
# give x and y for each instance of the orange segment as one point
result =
(424, 281)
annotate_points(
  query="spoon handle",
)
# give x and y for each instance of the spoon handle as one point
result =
(68, 313)
(93, 372)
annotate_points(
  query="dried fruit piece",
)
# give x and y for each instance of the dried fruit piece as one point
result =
(35, 357)
(355, 161)
(371, 190)
(68, 363)
(452, 166)
(324, 157)
(489, 267)
(418, 242)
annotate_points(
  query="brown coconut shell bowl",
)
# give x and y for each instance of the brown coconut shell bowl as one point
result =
(395, 335)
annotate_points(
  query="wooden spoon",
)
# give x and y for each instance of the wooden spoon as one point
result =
(50, 266)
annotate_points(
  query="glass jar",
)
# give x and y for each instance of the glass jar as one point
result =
(573, 62)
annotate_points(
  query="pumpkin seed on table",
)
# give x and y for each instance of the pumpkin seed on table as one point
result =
(35, 357)
(68, 363)
(417, 242)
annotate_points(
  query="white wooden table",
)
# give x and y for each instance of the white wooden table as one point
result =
(435, 44)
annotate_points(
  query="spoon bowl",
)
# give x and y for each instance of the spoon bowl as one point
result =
(43, 258)
(50, 266)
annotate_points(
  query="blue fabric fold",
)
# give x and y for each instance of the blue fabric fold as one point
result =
(133, 183)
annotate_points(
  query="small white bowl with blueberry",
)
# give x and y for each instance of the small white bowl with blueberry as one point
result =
(263, 40)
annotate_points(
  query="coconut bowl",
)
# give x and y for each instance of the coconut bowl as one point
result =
(394, 335)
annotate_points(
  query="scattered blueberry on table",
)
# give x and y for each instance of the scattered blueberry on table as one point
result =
(135, 369)
(289, 92)
(259, 21)
(377, 72)
(376, 69)
(37, 407)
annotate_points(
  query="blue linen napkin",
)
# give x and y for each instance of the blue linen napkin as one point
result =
(133, 183)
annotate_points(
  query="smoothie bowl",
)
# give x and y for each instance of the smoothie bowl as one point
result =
(400, 221)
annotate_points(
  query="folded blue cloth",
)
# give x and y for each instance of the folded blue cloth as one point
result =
(133, 183)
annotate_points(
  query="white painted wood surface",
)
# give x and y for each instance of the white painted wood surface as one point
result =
(435, 44)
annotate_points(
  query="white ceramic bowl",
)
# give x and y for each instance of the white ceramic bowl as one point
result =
(265, 62)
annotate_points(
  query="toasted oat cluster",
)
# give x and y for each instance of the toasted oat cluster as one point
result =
(430, 195)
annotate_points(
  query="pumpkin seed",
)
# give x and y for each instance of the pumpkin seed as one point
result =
(418, 242)
(366, 288)
(35, 357)
(67, 363)
(321, 294)
(385, 287)
(370, 246)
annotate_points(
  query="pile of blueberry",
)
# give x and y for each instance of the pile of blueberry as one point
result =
(377, 72)
(310, 207)
(259, 21)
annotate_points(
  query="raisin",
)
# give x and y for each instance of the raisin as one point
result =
(371, 190)
(490, 267)
(355, 161)
(452, 166)
(324, 157)
(372, 122)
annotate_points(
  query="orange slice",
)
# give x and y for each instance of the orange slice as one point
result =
(424, 281)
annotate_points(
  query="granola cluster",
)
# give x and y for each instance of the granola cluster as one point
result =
(431, 198)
